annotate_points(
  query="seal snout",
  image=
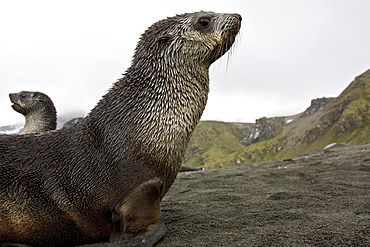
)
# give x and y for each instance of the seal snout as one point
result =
(232, 25)
(234, 22)
(237, 16)
(17, 97)
(12, 97)
(14, 100)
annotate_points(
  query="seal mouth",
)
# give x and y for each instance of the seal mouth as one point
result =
(14, 100)
(227, 45)
(231, 30)
(15, 104)
(16, 107)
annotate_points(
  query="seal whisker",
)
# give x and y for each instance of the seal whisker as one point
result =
(232, 50)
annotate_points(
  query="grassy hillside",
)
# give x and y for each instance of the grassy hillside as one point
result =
(345, 119)
(214, 140)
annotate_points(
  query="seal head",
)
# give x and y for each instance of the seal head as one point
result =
(37, 108)
(201, 37)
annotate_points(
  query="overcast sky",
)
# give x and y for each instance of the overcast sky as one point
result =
(288, 52)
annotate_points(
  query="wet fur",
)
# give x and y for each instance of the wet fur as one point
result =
(107, 174)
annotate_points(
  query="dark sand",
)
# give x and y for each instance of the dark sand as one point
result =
(322, 199)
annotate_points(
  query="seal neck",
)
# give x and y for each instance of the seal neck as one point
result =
(40, 121)
(154, 111)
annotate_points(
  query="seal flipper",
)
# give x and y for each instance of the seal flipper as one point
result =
(138, 239)
(139, 220)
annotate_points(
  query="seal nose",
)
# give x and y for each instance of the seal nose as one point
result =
(237, 16)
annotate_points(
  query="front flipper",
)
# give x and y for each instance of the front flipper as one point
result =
(149, 237)
(139, 219)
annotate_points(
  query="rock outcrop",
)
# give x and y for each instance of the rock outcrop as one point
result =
(264, 129)
(316, 105)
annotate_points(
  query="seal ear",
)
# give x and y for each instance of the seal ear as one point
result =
(40, 98)
(165, 37)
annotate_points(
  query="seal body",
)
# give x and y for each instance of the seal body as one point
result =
(104, 177)
(38, 110)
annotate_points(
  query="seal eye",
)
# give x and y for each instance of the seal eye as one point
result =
(204, 21)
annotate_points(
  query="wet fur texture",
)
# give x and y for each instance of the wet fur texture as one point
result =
(107, 174)
(38, 110)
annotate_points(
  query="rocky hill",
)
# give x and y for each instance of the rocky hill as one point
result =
(344, 119)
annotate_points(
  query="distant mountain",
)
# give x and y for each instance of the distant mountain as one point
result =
(11, 129)
(344, 119)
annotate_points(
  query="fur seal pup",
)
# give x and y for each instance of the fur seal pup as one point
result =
(38, 110)
(103, 178)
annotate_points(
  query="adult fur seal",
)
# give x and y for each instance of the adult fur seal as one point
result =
(38, 110)
(104, 177)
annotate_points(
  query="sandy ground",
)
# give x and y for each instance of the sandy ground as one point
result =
(322, 199)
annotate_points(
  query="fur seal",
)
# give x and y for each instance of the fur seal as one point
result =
(103, 178)
(38, 110)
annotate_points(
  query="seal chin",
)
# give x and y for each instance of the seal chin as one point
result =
(16, 107)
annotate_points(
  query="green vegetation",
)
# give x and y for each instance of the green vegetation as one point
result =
(212, 141)
(345, 119)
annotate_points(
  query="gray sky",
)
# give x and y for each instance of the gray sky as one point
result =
(288, 52)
